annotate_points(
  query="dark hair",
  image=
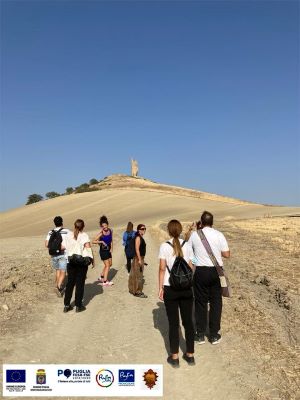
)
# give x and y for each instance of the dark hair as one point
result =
(103, 220)
(175, 229)
(58, 221)
(129, 227)
(138, 228)
(198, 225)
(78, 227)
(207, 219)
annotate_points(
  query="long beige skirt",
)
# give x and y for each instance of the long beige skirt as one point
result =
(136, 276)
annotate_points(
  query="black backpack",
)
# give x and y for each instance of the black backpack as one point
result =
(54, 243)
(181, 275)
(130, 247)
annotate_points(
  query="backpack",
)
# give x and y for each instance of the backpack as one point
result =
(54, 243)
(130, 247)
(181, 275)
(129, 237)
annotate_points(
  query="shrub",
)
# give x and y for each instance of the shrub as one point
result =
(83, 186)
(69, 190)
(82, 189)
(34, 198)
(51, 195)
(93, 181)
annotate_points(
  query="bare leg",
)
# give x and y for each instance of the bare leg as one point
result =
(106, 269)
(57, 274)
(61, 278)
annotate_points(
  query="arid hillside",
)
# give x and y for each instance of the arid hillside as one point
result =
(258, 358)
(124, 198)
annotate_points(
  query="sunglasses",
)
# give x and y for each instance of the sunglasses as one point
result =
(142, 229)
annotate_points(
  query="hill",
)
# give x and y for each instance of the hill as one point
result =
(257, 358)
(123, 198)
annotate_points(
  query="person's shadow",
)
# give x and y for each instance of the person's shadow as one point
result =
(160, 322)
(90, 291)
(112, 273)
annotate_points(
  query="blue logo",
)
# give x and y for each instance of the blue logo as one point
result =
(15, 376)
(67, 373)
(126, 377)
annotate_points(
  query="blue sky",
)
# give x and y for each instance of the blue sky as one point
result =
(204, 94)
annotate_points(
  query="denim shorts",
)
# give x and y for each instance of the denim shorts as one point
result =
(59, 262)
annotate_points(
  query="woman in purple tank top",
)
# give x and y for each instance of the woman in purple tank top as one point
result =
(105, 241)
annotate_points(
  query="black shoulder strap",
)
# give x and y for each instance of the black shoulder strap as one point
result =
(182, 244)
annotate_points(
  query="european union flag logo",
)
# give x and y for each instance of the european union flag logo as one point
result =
(15, 376)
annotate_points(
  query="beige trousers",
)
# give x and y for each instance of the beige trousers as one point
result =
(135, 281)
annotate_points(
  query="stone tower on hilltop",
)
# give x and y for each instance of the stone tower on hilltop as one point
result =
(134, 168)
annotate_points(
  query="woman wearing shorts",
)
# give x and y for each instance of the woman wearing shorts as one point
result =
(105, 241)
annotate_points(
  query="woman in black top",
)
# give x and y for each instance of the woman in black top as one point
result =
(135, 282)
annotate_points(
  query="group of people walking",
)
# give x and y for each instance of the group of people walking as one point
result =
(202, 248)
(71, 271)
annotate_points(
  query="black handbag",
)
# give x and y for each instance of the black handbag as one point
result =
(80, 260)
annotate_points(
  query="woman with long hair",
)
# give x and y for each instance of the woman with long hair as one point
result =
(105, 241)
(136, 281)
(176, 300)
(77, 270)
(128, 235)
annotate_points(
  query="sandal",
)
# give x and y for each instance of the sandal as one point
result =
(141, 295)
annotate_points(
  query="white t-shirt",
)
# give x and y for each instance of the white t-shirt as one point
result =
(82, 239)
(217, 243)
(166, 252)
(64, 232)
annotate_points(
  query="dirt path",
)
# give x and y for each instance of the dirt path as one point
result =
(118, 328)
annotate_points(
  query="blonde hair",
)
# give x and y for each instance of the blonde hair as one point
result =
(175, 229)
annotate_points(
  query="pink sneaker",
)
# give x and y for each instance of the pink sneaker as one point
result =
(100, 279)
(107, 283)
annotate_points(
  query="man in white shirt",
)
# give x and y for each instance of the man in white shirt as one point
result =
(59, 261)
(207, 287)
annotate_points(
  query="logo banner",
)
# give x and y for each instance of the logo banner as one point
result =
(84, 380)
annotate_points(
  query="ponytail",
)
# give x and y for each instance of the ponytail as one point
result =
(177, 247)
(175, 229)
(78, 227)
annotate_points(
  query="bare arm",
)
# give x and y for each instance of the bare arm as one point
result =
(191, 265)
(137, 248)
(225, 254)
(111, 245)
(87, 245)
(96, 240)
(46, 243)
(161, 275)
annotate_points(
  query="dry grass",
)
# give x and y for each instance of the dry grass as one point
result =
(264, 309)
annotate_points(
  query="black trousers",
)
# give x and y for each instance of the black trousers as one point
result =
(183, 301)
(76, 277)
(207, 289)
(128, 266)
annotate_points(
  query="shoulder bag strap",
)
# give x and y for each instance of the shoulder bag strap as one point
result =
(166, 263)
(210, 252)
